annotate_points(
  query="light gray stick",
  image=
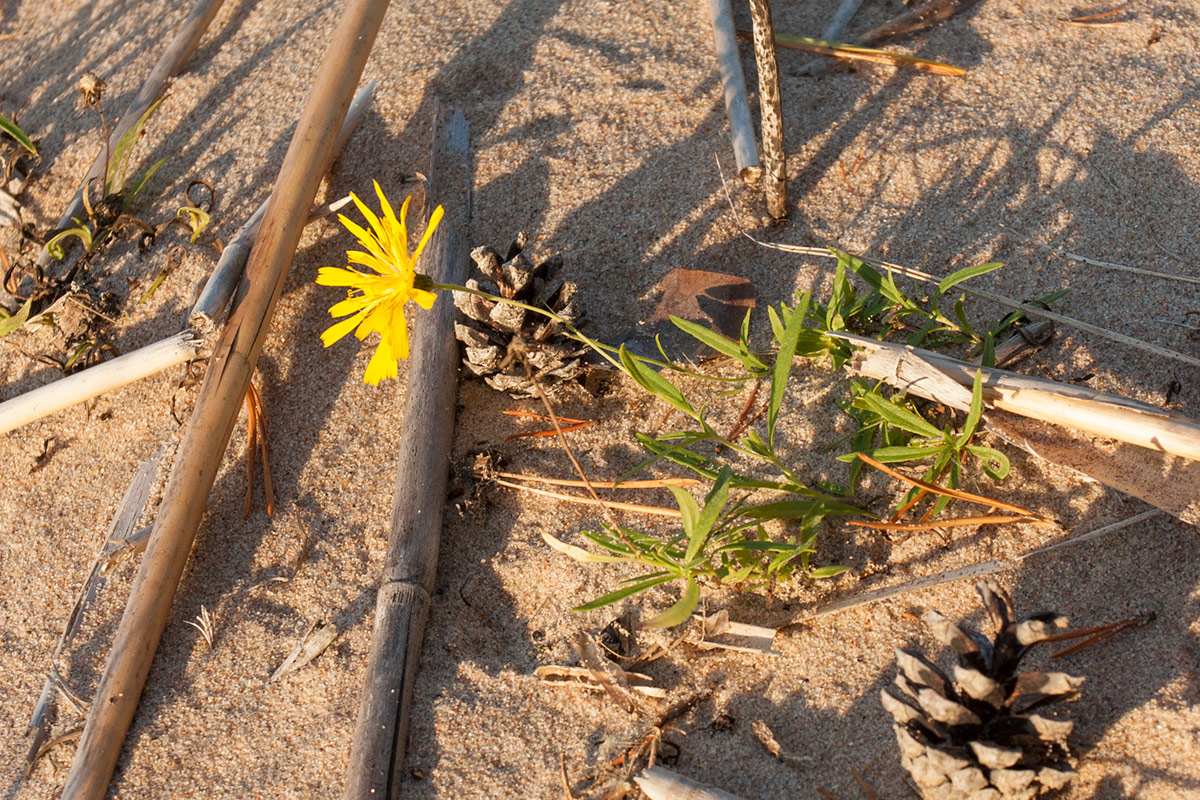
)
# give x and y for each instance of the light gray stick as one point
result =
(733, 82)
(841, 19)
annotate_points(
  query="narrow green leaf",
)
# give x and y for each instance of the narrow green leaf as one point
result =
(988, 358)
(898, 416)
(145, 178)
(798, 509)
(689, 509)
(681, 611)
(966, 273)
(826, 572)
(709, 337)
(13, 130)
(654, 383)
(10, 323)
(976, 412)
(714, 503)
(783, 367)
(621, 594)
(897, 454)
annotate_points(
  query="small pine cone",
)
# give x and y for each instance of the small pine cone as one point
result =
(974, 736)
(500, 339)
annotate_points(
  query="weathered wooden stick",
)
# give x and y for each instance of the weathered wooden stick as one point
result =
(733, 83)
(770, 107)
(171, 61)
(1063, 404)
(402, 605)
(235, 356)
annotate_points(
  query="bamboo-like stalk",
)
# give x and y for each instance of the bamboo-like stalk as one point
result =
(1068, 405)
(105, 377)
(770, 107)
(733, 84)
(168, 65)
(225, 276)
(236, 353)
(402, 605)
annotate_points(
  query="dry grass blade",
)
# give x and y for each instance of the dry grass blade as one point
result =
(657, 483)
(593, 501)
(572, 425)
(608, 675)
(1101, 18)
(960, 522)
(953, 493)
(850, 52)
(1096, 634)
(256, 440)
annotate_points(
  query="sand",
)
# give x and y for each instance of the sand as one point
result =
(594, 127)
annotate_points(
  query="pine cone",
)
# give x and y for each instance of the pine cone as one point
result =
(497, 335)
(974, 736)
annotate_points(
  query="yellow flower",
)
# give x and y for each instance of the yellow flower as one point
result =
(377, 300)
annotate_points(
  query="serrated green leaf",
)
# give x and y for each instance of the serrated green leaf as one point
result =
(681, 611)
(966, 273)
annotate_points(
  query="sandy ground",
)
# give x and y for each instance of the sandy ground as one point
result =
(594, 126)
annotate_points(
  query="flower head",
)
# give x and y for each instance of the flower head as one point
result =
(376, 299)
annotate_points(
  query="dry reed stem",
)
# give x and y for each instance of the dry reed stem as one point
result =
(594, 501)
(656, 483)
(959, 522)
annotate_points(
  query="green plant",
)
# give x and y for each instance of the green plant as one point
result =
(904, 436)
(719, 540)
(110, 214)
(12, 129)
(728, 541)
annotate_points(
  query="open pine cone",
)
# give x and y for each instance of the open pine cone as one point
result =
(501, 338)
(974, 736)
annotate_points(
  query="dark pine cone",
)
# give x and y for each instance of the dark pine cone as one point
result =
(496, 335)
(974, 736)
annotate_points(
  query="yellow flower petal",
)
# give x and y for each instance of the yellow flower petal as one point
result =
(424, 299)
(434, 219)
(339, 329)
